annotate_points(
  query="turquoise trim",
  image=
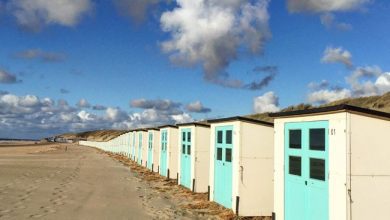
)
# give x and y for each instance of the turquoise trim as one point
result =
(163, 154)
(185, 157)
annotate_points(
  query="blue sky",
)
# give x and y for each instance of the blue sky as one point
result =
(144, 63)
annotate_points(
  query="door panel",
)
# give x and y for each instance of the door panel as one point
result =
(185, 158)
(139, 148)
(223, 165)
(306, 169)
(163, 154)
(150, 150)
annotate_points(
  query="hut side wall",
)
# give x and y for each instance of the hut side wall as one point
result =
(256, 170)
(172, 149)
(370, 153)
(201, 159)
(156, 150)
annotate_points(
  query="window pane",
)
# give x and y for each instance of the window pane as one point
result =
(219, 153)
(219, 137)
(189, 136)
(183, 149)
(295, 139)
(228, 136)
(317, 139)
(183, 134)
(189, 149)
(295, 165)
(228, 155)
(317, 169)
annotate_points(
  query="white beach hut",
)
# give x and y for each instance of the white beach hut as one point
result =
(194, 156)
(153, 149)
(332, 163)
(168, 151)
(241, 165)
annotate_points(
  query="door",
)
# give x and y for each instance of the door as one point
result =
(185, 158)
(139, 148)
(150, 151)
(223, 165)
(133, 146)
(306, 171)
(163, 154)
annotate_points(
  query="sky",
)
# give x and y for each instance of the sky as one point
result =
(77, 65)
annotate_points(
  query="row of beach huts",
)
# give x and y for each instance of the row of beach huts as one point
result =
(329, 163)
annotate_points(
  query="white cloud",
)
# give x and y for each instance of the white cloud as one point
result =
(136, 9)
(212, 32)
(383, 82)
(337, 55)
(197, 107)
(83, 103)
(34, 14)
(182, 118)
(268, 102)
(324, 5)
(361, 80)
(39, 54)
(327, 95)
(115, 114)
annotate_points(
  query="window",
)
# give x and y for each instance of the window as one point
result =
(219, 153)
(189, 149)
(228, 136)
(189, 136)
(317, 139)
(295, 165)
(295, 139)
(219, 137)
(317, 169)
(183, 149)
(228, 155)
(183, 134)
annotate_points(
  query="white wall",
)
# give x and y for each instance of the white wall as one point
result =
(172, 150)
(370, 150)
(201, 159)
(156, 150)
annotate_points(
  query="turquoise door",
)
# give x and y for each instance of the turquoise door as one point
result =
(223, 165)
(139, 148)
(306, 171)
(163, 155)
(150, 151)
(133, 147)
(185, 158)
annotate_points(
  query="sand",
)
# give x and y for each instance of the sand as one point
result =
(67, 181)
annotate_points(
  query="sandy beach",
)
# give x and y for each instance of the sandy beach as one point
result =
(67, 181)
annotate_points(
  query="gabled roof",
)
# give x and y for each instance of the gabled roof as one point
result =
(240, 118)
(328, 109)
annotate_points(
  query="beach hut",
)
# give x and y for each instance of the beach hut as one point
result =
(241, 165)
(332, 163)
(194, 156)
(168, 151)
(141, 140)
(153, 149)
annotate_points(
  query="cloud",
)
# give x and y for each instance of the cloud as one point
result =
(197, 107)
(337, 55)
(99, 107)
(135, 9)
(158, 104)
(33, 15)
(32, 117)
(38, 54)
(8, 78)
(330, 22)
(83, 103)
(362, 81)
(328, 95)
(214, 33)
(64, 91)
(268, 102)
(319, 6)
